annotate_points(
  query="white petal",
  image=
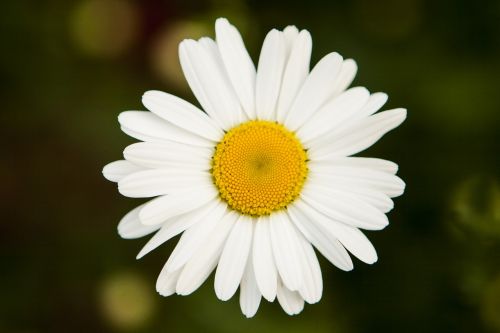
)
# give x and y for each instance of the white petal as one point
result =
(234, 258)
(249, 291)
(175, 226)
(193, 237)
(345, 208)
(296, 71)
(199, 267)
(371, 196)
(238, 64)
(352, 238)
(210, 45)
(165, 284)
(147, 126)
(358, 137)
(187, 56)
(376, 164)
(131, 227)
(378, 200)
(162, 208)
(333, 114)
(354, 177)
(166, 155)
(312, 282)
(116, 170)
(291, 301)
(151, 183)
(329, 246)
(269, 74)
(291, 33)
(285, 244)
(315, 92)
(182, 114)
(374, 103)
(209, 83)
(140, 135)
(346, 75)
(263, 260)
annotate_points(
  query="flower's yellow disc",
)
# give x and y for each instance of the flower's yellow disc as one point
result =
(259, 167)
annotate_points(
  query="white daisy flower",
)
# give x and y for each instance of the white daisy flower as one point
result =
(262, 174)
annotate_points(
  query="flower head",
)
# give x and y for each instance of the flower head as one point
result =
(262, 174)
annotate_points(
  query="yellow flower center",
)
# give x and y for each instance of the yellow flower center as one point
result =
(259, 167)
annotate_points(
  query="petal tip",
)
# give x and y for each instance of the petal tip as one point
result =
(404, 112)
(372, 261)
(351, 62)
(151, 93)
(145, 250)
(306, 34)
(188, 42)
(120, 232)
(337, 57)
(221, 20)
(106, 172)
(270, 298)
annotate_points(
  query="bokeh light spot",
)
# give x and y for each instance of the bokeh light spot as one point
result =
(127, 300)
(104, 28)
(164, 53)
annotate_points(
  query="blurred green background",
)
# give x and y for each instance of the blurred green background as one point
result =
(69, 67)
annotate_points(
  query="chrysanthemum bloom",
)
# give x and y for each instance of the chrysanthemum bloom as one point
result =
(262, 174)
